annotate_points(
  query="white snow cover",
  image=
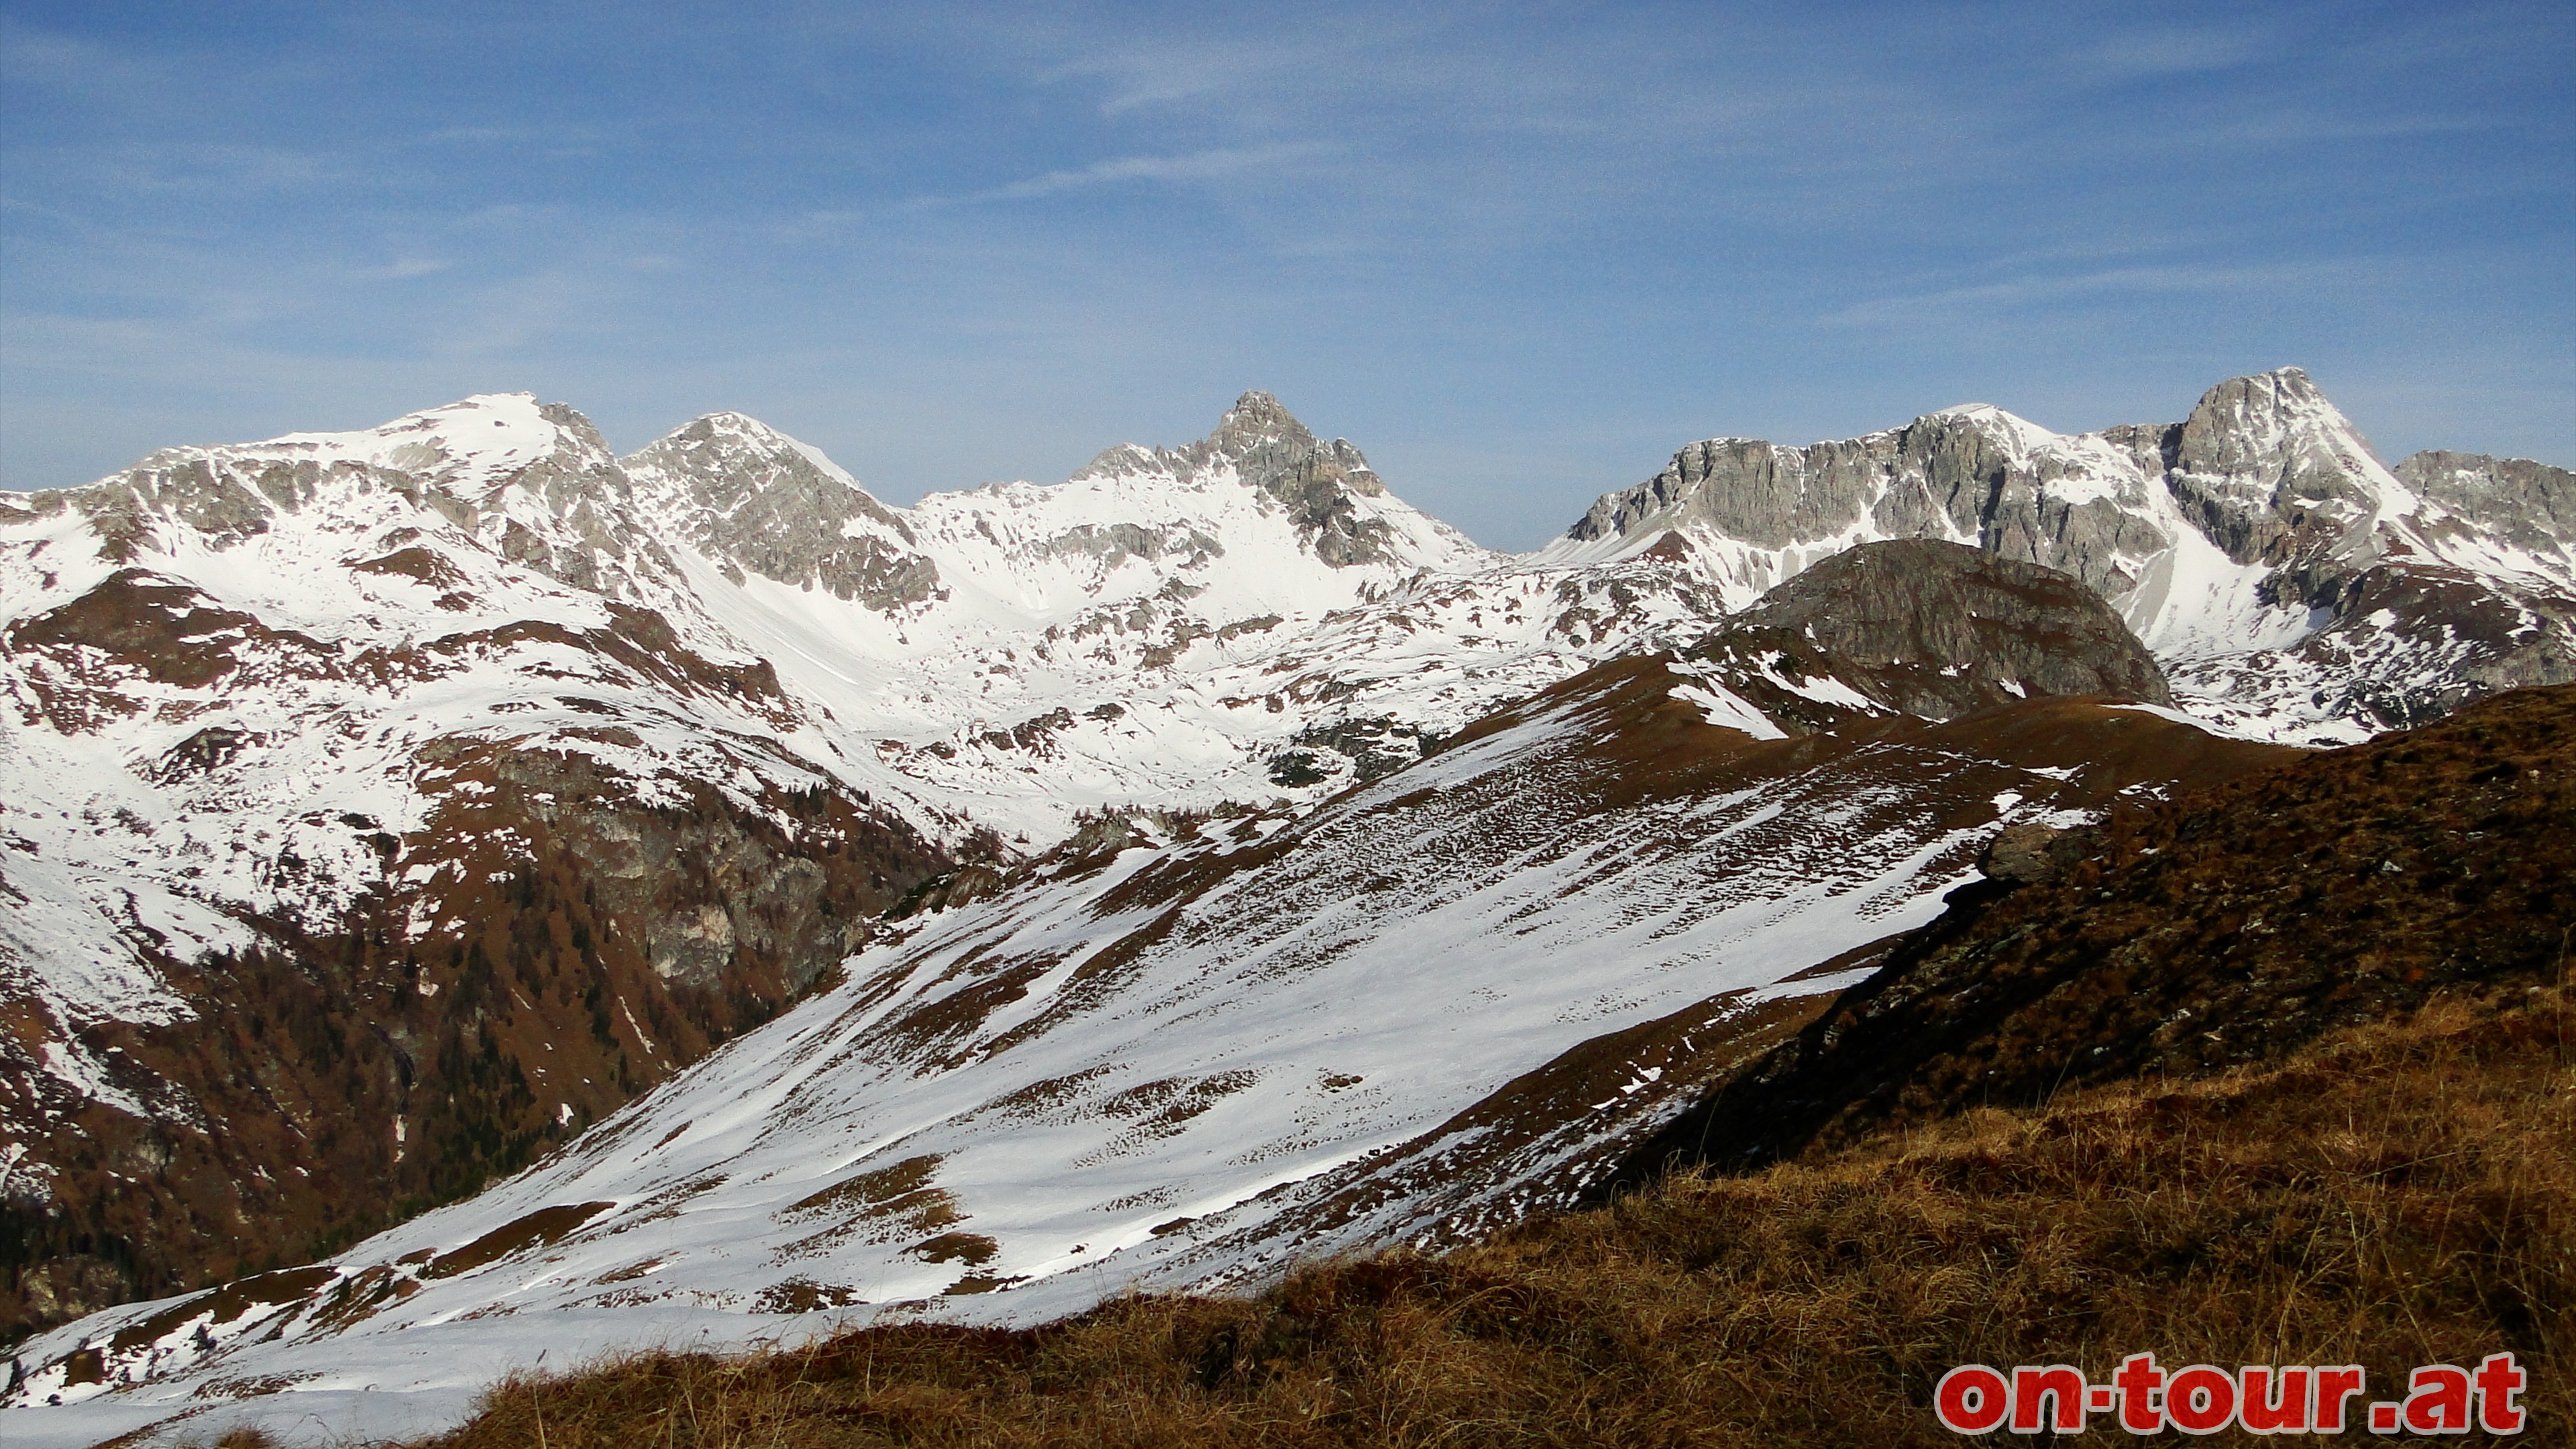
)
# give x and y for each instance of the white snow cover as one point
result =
(1161, 631)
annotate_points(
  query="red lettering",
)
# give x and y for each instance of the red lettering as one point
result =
(2272, 1401)
(2058, 1381)
(2336, 1386)
(2138, 1380)
(2200, 1399)
(2437, 1400)
(2499, 1379)
(1970, 1399)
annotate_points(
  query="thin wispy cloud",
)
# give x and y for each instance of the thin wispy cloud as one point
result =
(404, 269)
(1217, 164)
(1952, 304)
(2150, 53)
(1167, 72)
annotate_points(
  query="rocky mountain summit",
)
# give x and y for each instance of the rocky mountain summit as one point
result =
(749, 499)
(1319, 484)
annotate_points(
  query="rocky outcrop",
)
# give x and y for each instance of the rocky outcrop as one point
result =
(2526, 506)
(2270, 472)
(1924, 628)
(755, 501)
(1353, 751)
(1268, 449)
(2031, 852)
(1972, 475)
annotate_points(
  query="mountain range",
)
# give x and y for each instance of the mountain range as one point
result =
(1143, 880)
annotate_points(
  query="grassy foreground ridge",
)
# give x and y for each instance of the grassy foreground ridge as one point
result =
(2404, 1194)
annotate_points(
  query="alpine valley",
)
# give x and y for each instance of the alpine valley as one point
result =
(467, 896)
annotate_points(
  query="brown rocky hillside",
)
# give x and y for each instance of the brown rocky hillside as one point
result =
(586, 946)
(2223, 927)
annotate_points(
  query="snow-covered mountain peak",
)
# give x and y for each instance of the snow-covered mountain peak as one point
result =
(468, 447)
(732, 436)
(2010, 431)
(2262, 527)
(1757, 512)
(2270, 420)
(496, 480)
(1256, 421)
(1252, 439)
(1340, 509)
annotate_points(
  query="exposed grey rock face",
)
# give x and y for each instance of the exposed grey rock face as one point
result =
(1970, 475)
(753, 501)
(2409, 643)
(2522, 504)
(2466, 594)
(1109, 543)
(2269, 470)
(1359, 749)
(1926, 628)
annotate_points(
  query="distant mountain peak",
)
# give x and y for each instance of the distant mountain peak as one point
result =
(1256, 430)
(1328, 488)
(1257, 418)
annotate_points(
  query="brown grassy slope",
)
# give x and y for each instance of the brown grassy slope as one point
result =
(2223, 927)
(2370, 1161)
(2405, 1193)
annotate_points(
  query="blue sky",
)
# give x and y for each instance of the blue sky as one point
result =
(1519, 253)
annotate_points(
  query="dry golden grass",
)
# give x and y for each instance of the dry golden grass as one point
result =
(2400, 1193)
